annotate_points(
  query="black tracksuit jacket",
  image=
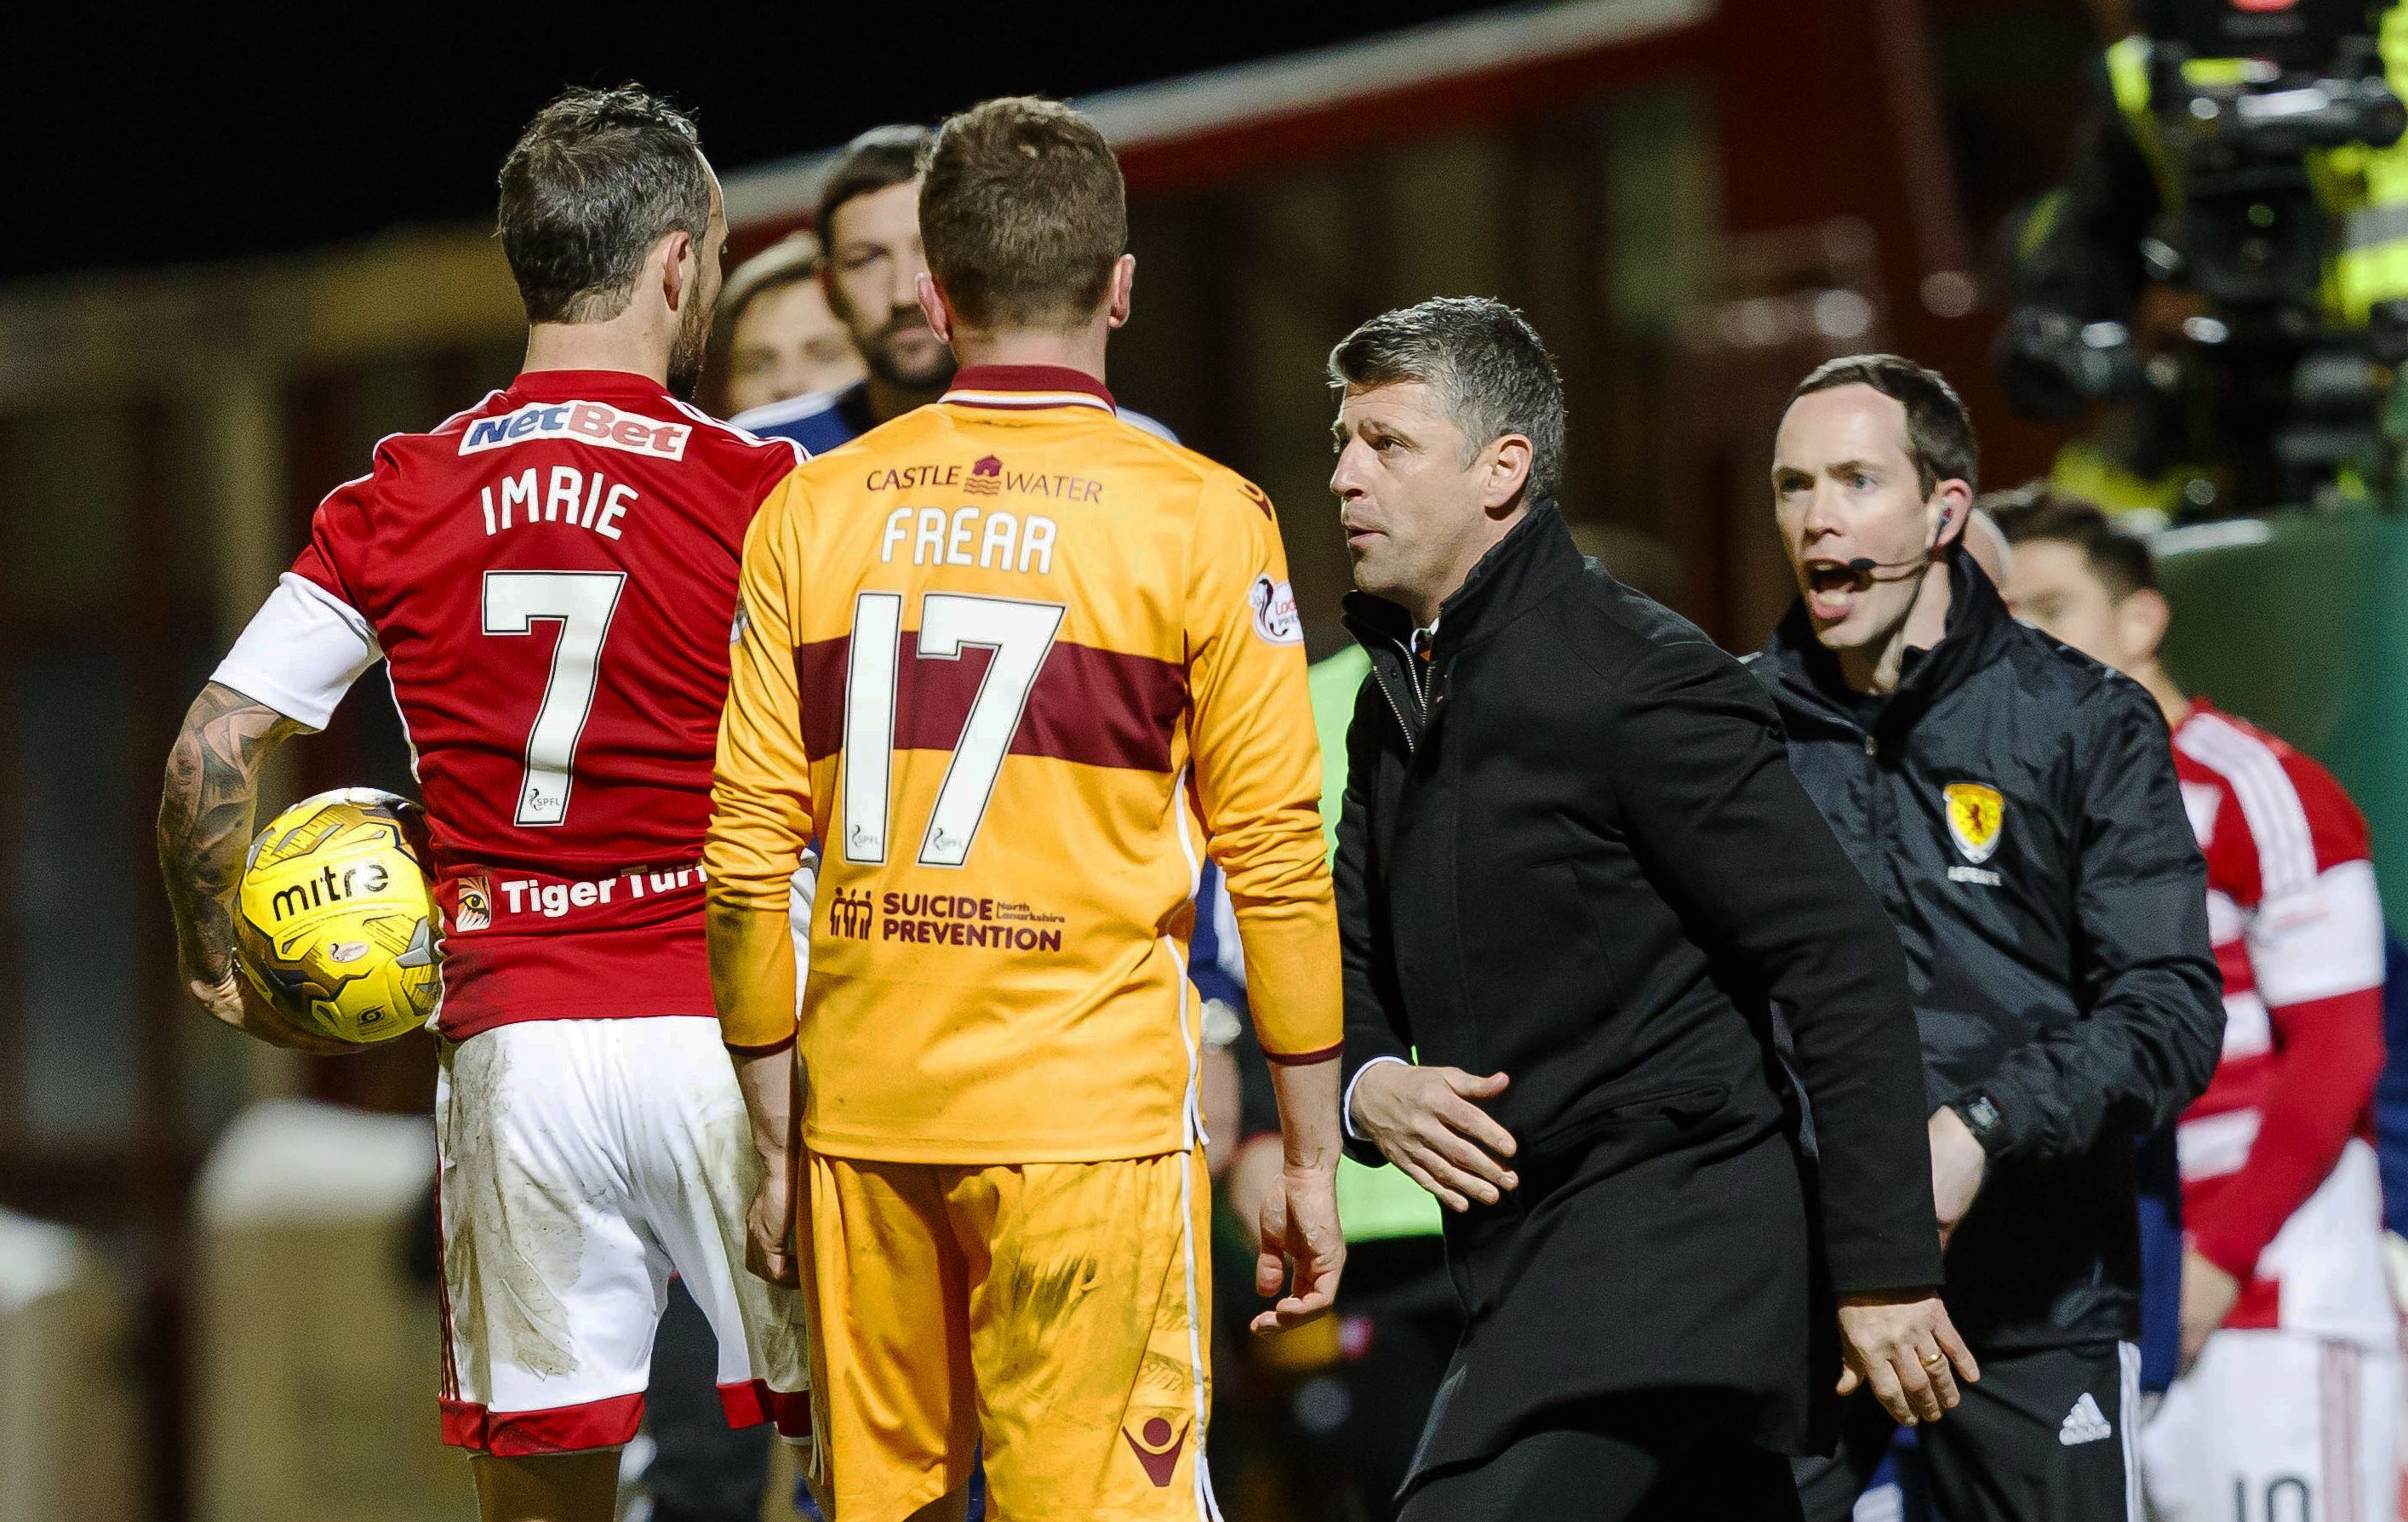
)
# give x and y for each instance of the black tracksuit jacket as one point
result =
(2060, 965)
(1571, 850)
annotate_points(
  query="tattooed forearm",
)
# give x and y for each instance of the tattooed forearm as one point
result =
(205, 820)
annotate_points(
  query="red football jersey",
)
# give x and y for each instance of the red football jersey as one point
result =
(550, 577)
(2279, 1179)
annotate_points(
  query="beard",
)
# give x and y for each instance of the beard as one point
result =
(905, 353)
(686, 354)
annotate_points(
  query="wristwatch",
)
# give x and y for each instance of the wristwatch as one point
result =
(1980, 1113)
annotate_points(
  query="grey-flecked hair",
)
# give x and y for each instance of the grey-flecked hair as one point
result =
(597, 178)
(1483, 359)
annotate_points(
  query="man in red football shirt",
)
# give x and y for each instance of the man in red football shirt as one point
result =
(2289, 1399)
(549, 577)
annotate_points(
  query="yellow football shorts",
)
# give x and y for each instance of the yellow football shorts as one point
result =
(1058, 1313)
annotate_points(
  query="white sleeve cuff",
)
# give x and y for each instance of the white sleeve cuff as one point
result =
(801, 893)
(300, 652)
(1346, 1105)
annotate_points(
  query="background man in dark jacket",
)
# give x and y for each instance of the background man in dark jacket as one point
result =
(1571, 859)
(2014, 805)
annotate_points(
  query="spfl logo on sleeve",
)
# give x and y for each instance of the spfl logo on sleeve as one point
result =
(1274, 605)
(1976, 815)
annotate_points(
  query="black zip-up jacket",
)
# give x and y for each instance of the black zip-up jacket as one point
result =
(2055, 933)
(1571, 850)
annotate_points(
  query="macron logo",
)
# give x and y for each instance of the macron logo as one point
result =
(583, 423)
(2084, 1423)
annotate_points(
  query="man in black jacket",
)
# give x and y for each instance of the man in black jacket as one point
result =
(2014, 805)
(1572, 861)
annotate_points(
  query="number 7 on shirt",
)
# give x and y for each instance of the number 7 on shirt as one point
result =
(581, 603)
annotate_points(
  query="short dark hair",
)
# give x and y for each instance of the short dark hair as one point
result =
(1939, 431)
(1483, 359)
(880, 157)
(1022, 213)
(2121, 561)
(594, 182)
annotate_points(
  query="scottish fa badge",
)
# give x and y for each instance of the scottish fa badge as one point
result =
(1976, 813)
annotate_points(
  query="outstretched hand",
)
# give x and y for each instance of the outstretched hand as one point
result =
(1302, 1248)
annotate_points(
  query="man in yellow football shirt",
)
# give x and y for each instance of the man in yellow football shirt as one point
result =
(1020, 666)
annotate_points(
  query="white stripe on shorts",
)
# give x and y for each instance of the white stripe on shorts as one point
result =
(2128, 1427)
(1207, 1508)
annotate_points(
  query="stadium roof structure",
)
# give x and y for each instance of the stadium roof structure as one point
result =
(1209, 126)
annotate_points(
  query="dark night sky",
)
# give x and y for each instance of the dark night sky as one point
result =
(211, 131)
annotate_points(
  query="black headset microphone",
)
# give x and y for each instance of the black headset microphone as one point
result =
(1867, 568)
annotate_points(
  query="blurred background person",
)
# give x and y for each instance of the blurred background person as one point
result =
(781, 339)
(2052, 904)
(868, 219)
(2290, 1400)
(1986, 543)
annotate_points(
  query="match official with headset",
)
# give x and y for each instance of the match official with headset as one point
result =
(2014, 804)
(1573, 871)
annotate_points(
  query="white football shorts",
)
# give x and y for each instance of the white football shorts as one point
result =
(582, 1162)
(2277, 1425)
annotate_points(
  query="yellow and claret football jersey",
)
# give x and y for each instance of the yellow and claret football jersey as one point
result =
(1019, 666)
